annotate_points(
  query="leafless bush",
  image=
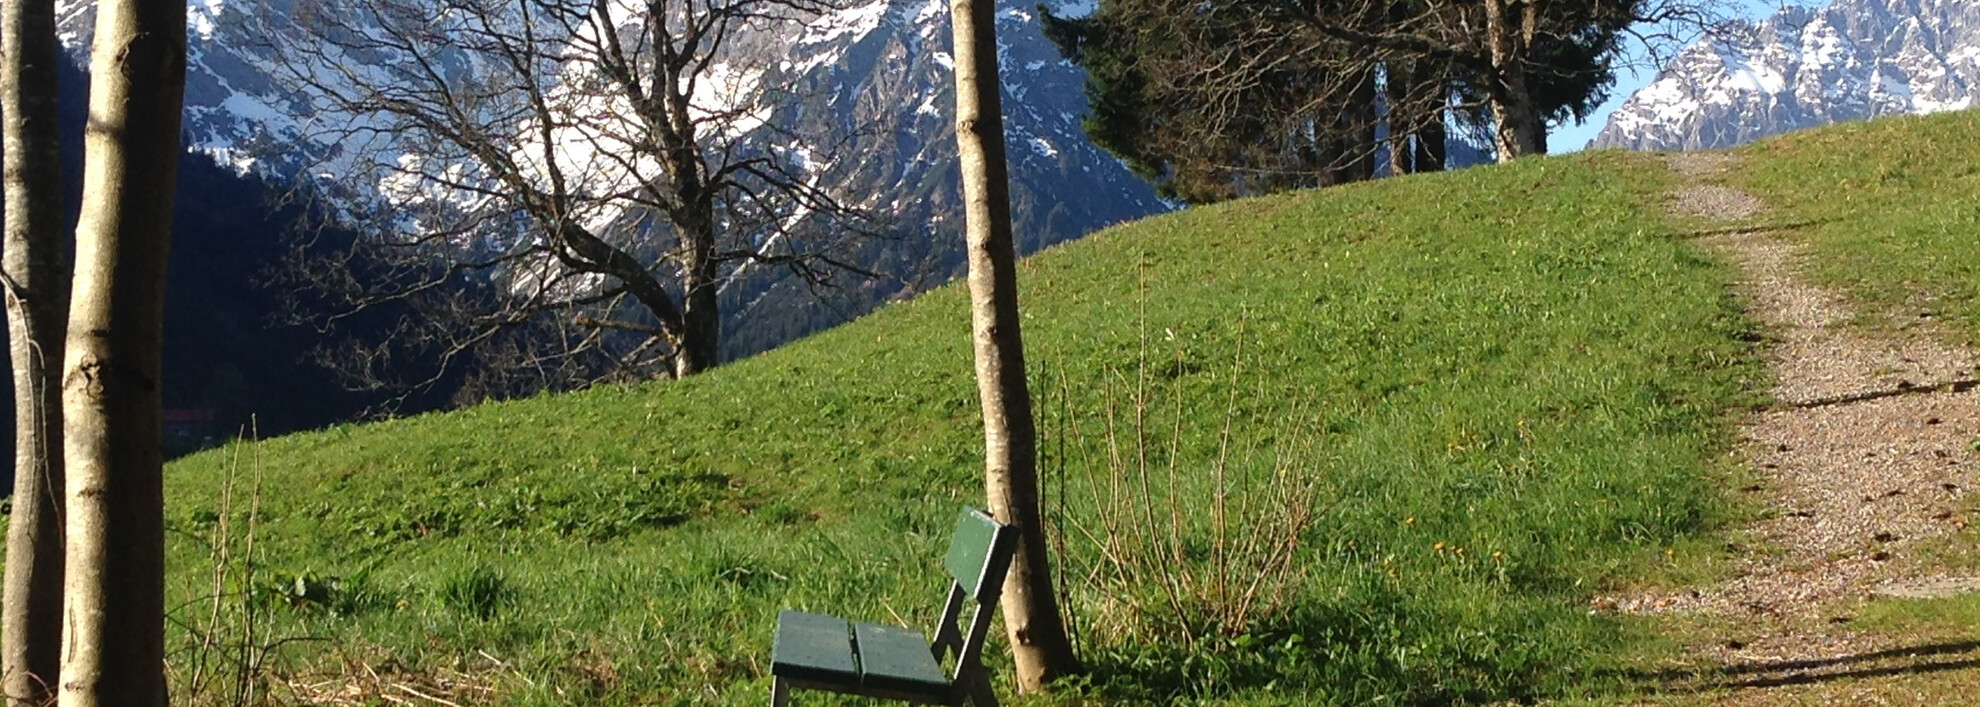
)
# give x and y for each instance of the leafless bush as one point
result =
(1171, 545)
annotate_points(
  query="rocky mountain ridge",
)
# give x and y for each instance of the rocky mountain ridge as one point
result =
(1803, 67)
(881, 65)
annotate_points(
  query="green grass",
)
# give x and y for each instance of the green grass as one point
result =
(1522, 362)
(1891, 211)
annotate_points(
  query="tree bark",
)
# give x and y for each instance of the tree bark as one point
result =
(114, 608)
(1357, 124)
(701, 316)
(1328, 148)
(37, 296)
(1416, 120)
(1039, 644)
(1518, 130)
(1395, 116)
(1430, 147)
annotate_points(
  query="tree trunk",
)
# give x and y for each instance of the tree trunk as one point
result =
(1360, 126)
(1517, 129)
(1039, 643)
(114, 608)
(1416, 122)
(1329, 150)
(1430, 148)
(701, 316)
(1395, 115)
(37, 296)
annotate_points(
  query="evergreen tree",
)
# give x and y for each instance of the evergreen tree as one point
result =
(1209, 102)
(1212, 100)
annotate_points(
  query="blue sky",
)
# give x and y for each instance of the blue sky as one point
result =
(1572, 138)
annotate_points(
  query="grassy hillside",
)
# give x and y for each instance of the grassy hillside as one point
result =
(1508, 386)
(1890, 213)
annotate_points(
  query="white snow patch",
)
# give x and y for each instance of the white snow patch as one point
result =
(1821, 45)
(251, 109)
(1742, 74)
(1927, 105)
(931, 12)
(202, 17)
(1897, 89)
(1075, 9)
(723, 95)
(856, 20)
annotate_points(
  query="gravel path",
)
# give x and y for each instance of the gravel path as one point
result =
(1866, 453)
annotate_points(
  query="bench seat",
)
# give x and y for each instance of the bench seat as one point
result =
(813, 648)
(830, 653)
(818, 652)
(897, 660)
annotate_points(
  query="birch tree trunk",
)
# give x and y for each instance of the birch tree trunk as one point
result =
(114, 606)
(37, 296)
(1039, 643)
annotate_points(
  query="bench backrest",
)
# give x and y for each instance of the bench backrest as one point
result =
(979, 553)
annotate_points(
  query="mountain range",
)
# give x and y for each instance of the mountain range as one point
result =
(1803, 67)
(878, 64)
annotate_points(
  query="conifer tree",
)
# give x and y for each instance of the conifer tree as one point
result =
(1235, 97)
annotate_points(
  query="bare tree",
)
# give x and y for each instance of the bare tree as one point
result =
(598, 169)
(113, 644)
(37, 287)
(1039, 644)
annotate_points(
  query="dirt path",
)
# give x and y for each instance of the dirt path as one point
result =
(1865, 454)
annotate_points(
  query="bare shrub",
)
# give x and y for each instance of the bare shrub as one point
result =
(1170, 543)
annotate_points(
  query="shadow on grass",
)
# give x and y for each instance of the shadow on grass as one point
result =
(1912, 660)
(1750, 229)
(1399, 654)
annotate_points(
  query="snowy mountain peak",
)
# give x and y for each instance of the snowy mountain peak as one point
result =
(862, 96)
(854, 63)
(1803, 67)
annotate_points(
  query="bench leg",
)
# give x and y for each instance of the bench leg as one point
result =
(981, 694)
(780, 693)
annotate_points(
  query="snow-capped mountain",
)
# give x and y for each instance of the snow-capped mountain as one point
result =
(880, 69)
(1802, 67)
(887, 64)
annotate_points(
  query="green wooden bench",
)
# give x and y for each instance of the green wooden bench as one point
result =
(814, 652)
